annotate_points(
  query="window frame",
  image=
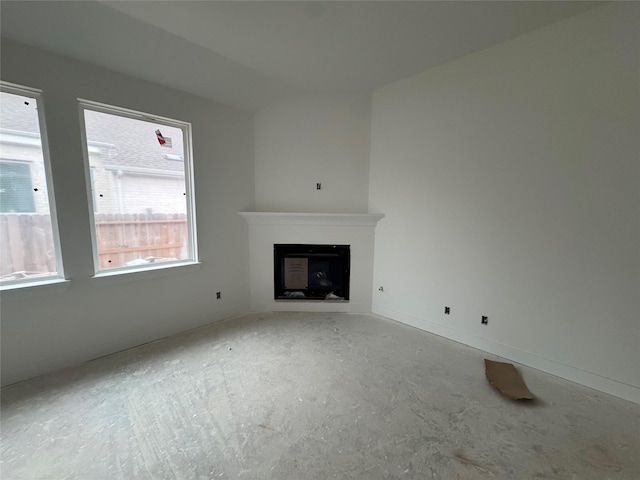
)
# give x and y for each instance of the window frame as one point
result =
(84, 104)
(59, 276)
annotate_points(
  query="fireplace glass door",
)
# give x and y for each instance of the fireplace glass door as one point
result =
(311, 272)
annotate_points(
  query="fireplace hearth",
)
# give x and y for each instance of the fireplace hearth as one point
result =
(311, 272)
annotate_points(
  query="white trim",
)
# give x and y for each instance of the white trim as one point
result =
(110, 277)
(189, 184)
(185, 127)
(89, 187)
(568, 372)
(125, 112)
(20, 90)
(132, 338)
(36, 95)
(330, 219)
(53, 211)
(38, 287)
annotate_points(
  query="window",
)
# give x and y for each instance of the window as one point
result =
(139, 175)
(29, 242)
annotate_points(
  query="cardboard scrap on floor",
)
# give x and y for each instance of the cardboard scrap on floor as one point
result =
(506, 379)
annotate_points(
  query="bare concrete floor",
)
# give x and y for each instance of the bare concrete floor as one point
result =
(309, 396)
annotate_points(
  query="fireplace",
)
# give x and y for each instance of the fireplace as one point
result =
(311, 272)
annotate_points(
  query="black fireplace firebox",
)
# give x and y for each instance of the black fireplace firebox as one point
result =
(311, 272)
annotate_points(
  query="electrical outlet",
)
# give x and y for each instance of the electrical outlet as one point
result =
(447, 310)
(218, 295)
(485, 320)
(318, 186)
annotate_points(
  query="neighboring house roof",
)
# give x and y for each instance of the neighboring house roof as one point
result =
(131, 144)
(125, 144)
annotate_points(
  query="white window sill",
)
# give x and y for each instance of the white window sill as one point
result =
(144, 273)
(49, 286)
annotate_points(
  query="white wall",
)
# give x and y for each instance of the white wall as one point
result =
(43, 331)
(309, 139)
(510, 184)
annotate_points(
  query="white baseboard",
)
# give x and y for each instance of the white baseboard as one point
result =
(573, 374)
(79, 356)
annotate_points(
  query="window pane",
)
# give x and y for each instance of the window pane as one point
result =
(29, 246)
(139, 190)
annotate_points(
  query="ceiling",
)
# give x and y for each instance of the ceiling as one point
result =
(251, 54)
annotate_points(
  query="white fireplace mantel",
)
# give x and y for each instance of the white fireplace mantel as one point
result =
(269, 228)
(328, 219)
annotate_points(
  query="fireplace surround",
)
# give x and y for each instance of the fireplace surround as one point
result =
(269, 228)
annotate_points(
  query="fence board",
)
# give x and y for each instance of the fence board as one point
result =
(15, 243)
(27, 240)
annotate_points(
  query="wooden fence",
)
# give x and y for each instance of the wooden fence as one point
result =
(130, 237)
(27, 246)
